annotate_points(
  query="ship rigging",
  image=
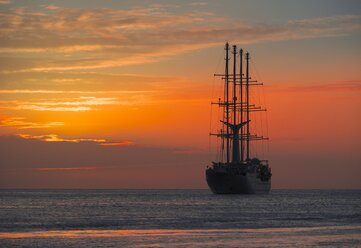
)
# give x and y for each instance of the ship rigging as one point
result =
(239, 173)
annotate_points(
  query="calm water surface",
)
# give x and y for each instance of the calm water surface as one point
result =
(179, 218)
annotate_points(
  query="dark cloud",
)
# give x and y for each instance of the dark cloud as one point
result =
(117, 37)
(31, 162)
(37, 153)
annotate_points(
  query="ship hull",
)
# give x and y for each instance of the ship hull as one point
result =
(230, 183)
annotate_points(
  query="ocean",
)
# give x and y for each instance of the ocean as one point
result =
(179, 218)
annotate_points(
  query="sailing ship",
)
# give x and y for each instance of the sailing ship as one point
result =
(236, 172)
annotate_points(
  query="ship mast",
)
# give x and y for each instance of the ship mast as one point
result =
(237, 129)
(235, 126)
(241, 100)
(226, 103)
(234, 86)
(247, 102)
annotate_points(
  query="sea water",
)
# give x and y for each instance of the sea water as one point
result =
(179, 218)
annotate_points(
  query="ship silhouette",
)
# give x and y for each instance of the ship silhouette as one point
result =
(237, 172)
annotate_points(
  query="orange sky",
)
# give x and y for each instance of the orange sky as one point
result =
(117, 95)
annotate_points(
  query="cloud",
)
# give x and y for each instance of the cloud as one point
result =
(59, 109)
(20, 123)
(102, 38)
(83, 103)
(5, 1)
(85, 168)
(187, 151)
(37, 163)
(123, 143)
(56, 138)
(15, 91)
(61, 49)
(124, 86)
(56, 91)
(331, 23)
(199, 4)
(83, 100)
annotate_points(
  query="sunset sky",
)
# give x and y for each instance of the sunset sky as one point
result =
(116, 94)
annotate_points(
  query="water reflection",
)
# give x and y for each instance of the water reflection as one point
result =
(300, 236)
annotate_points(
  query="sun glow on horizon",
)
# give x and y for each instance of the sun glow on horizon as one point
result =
(124, 77)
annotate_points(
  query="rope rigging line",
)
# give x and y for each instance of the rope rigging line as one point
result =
(211, 108)
(263, 103)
